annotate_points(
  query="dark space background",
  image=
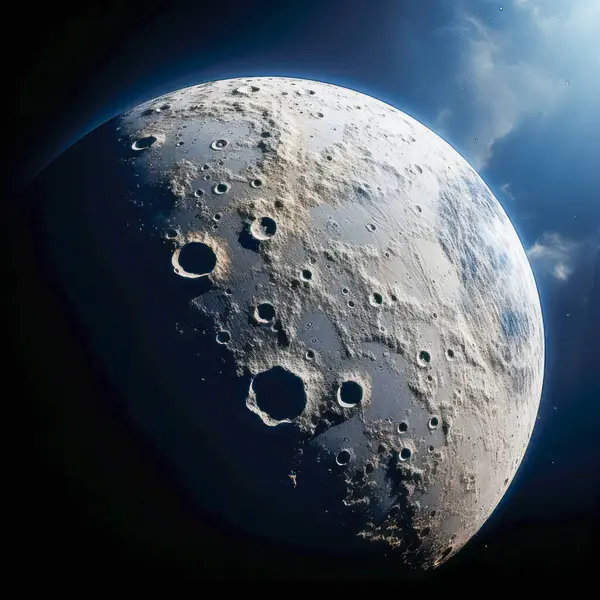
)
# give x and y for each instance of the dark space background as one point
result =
(89, 503)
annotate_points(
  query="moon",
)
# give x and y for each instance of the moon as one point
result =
(314, 309)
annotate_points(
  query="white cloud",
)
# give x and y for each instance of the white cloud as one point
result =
(505, 189)
(511, 81)
(504, 92)
(443, 115)
(557, 256)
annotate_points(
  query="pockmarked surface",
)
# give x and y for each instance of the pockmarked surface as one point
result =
(357, 330)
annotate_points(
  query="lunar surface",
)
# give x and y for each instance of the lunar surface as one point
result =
(313, 309)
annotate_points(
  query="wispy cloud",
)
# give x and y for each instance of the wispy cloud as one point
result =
(520, 64)
(505, 189)
(556, 256)
(504, 91)
(442, 117)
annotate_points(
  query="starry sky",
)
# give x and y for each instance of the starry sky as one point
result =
(514, 86)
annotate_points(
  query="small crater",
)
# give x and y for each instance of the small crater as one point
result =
(329, 157)
(432, 514)
(345, 291)
(349, 394)
(263, 228)
(343, 457)
(425, 531)
(418, 208)
(143, 143)
(264, 313)
(444, 555)
(220, 188)
(219, 144)
(165, 107)
(197, 258)
(369, 468)
(376, 299)
(310, 354)
(371, 226)
(351, 304)
(206, 177)
(433, 423)
(430, 448)
(217, 216)
(256, 183)
(424, 357)
(199, 193)
(405, 454)
(450, 353)
(179, 144)
(171, 233)
(279, 393)
(402, 427)
(306, 275)
(205, 167)
(223, 337)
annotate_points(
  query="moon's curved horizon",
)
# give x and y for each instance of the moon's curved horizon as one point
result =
(339, 329)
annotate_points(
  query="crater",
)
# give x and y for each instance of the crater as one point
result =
(279, 393)
(143, 143)
(376, 299)
(349, 394)
(343, 457)
(263, 228)
(197, 258)
(220, 188)
(223, 337)
(424, 357)
(444, 555)
(219, 144)
(264, 313)
(405, 454)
